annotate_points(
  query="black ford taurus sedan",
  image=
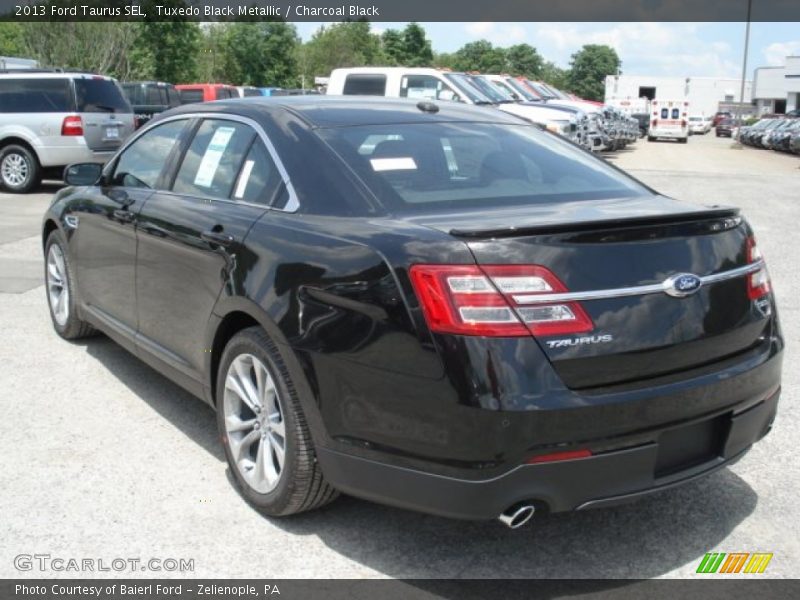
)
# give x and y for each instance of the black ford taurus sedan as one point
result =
(434, 306)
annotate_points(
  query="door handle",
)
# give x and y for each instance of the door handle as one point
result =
(217, 237)
(124, 215)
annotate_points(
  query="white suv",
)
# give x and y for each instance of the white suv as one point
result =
(49, 119)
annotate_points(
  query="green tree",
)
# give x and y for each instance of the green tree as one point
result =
(10, 39)
(211, 58)
(261, 53)
(523, 59)
(99, 47)
(480, 56)
(166, 51)
(589, 68)
(555, 75)
(348, 44)
(393, 47)
(416, 46)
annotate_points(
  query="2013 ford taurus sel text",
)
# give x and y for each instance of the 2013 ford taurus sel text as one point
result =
(435, 306)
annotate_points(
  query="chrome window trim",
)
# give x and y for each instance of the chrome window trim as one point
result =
(293, 203)
(640, 290)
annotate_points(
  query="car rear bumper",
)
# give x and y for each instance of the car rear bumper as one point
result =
(69, 151)
(606, 478)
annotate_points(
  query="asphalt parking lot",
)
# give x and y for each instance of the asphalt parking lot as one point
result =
(104, 458)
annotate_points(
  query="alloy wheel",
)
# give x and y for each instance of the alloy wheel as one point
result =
(57, 284)
(254, 423)
(15, 170)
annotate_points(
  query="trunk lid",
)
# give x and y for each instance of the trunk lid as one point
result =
(613, 246)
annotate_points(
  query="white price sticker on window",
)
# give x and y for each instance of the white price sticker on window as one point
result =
(212, 156)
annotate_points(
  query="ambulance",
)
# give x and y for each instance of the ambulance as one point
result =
(669, 119)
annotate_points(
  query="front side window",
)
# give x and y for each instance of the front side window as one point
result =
(28, 95)
(140, 165)
(422, 168)
(213, 160)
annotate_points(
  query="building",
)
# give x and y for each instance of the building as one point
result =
(704, 94)
(777, 89)
(12, 62)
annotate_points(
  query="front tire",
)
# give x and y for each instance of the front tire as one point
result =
(263, 429)
(60, 286)
(20, 171)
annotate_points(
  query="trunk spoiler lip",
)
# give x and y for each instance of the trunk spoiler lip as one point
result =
(702, 214)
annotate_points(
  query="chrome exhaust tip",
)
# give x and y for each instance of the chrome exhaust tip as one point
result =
(517, 515)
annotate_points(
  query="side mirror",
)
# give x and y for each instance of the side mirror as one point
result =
(83, 173)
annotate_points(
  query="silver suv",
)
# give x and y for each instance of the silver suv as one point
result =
(49, 119)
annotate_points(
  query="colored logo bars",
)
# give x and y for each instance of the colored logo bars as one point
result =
(736, 562)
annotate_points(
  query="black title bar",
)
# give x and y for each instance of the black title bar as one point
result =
(403, 10)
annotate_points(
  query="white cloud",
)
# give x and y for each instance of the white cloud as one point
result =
(645, 48)
(500, 34)
(776, 53)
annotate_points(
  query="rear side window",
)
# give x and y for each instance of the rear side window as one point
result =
(189, 96)
(142, 162)
(214, 158)
(424, 168)
(35, 95)
(99, 95)
(156, 95)
(259, 179)
(362, 84)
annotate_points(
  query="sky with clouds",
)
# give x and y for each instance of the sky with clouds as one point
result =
(681, 49)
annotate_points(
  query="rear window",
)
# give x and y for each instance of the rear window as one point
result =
(365, 85)
(422, 168)
(100, 95)
(189, 96)
(35, 95)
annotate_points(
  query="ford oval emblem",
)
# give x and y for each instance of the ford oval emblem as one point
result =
(682, 285)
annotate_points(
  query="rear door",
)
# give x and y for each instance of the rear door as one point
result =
(106, 114)
(191, 237)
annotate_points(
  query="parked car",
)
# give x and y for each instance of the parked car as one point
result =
(725, 128)
(782, 140)
(49, 119)
(699, 125)
(643, 121)
(248, 91)
(434, 84)
(452, 312)
(721, 116)
(148, 98)
(205, 92)
(794, 142)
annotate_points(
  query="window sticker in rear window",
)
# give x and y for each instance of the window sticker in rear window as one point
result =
(405, 163)
(213, 154)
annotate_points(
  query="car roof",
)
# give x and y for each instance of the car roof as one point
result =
(344, 111)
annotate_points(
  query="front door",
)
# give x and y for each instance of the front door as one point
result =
(105, 240)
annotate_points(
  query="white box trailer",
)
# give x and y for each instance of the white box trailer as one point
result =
(669, 119)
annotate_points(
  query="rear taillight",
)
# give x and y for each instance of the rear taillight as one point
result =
(758, 284)
(72, 126)
(479, 300)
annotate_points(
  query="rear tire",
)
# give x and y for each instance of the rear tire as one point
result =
(263, 429)
(20, 171)
(60, 287)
